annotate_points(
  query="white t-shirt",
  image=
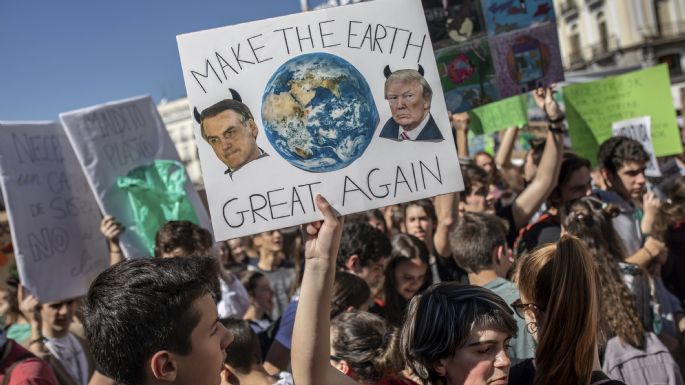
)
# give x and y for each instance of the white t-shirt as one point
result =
(284, 378)
(234, 300)
(69, 352)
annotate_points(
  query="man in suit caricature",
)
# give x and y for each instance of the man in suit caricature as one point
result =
(409, 96)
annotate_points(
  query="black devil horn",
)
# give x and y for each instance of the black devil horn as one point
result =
(386, 71)
(235, 95)
(420, 70)
(196, 115)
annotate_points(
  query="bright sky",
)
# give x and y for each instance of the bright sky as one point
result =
(57, 56)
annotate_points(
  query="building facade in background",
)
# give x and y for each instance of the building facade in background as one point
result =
(176, 117)
(600, 35)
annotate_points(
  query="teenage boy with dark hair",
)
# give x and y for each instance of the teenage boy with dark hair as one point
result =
(622, 163)
(186, 239)
(182, 238)
(363, 252)
(480, 247)
(154, 320)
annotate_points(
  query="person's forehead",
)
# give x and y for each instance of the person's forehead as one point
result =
(579, 177)
(235, 242)
(480, 334)
(60, 303)
(415, 211)
(632, 166)
(411, 265)
(483, 159)
(206, 308)
(403, 85)
(477, 186)
(223, 120)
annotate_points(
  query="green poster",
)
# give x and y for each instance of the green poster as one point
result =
(591, 108)
(499, 115)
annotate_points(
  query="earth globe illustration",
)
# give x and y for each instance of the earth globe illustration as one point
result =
(318, 112)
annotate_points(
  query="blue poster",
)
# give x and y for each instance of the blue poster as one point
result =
(508, 15)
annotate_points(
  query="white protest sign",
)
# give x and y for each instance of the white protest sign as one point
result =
(133, 169)
(314, 84)
(53, 215)
(639, 129)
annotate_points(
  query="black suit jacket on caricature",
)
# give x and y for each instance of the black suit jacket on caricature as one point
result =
(430, 131)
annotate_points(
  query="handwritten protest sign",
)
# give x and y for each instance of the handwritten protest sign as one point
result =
(497, 116)
(640, 130)
(54, 218)
(314, 85)
(133, 169)
(492, 49)
(591, 108)
(6, 249)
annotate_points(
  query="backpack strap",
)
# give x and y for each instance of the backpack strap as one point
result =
(20, 359)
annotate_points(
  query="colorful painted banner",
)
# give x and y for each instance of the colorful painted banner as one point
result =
(488, 50)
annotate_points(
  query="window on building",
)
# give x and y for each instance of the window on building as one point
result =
(674, 63)
(603, 32)
(574, 43)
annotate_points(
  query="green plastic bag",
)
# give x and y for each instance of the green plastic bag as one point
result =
(156, 193)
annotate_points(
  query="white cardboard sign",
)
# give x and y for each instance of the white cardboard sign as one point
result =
(314, 84)
(133, 169)
(53, 215)
(639, 129)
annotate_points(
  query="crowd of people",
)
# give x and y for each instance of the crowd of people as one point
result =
(551, 272)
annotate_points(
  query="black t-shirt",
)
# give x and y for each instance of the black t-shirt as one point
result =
(507, 213)
(545, 230)
(523, 373)
(449, 271)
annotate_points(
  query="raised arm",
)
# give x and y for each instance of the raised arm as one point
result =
(311, 334)
(545, 180)
(111, 229)
(447, 211)
(460, 123)
(503, 157)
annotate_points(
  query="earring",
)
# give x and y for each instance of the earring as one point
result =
(532, 327)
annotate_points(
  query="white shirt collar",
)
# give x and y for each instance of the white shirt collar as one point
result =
(413, 134)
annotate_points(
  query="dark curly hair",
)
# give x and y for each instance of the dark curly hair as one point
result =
(616, 151)
(590, 220)
(473, 175)
(193, 239)
(363, 240)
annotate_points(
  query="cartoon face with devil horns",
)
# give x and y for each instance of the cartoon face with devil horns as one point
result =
(229, 128)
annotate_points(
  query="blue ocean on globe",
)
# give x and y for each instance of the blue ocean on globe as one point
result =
(318, 112)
